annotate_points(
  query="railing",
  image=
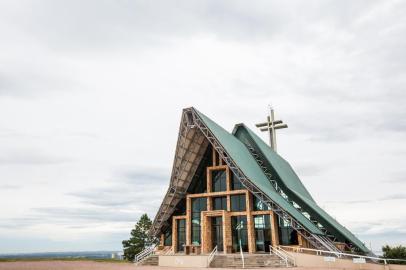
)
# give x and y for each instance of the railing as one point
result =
(290, 258)
(144, 254)
(169, 252)
(242, 256)
(211, 256)
(341, 255)
(283, 256)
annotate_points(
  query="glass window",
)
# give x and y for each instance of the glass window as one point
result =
(181, 224)
(235, 183)
(219, 180)
(180, 208)
(239, 233)
(220, 203)
(287, 235)
(198, 205)
(199, 180)
(259, 205)
(263, 234)
(238, 202)
(168, 237)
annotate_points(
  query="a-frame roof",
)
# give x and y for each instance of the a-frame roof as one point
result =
(245, 161)
(237, 152)
(294, 187)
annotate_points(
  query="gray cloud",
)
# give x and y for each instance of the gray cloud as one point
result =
(10, 187)
(30, 157)
(94, 70)
(399, 196)
(130, 189)
(308, 169)
(72, 215)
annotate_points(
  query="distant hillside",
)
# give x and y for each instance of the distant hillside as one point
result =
(67, 255)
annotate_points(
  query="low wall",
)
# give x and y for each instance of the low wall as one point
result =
(199, 261)
(315, 261)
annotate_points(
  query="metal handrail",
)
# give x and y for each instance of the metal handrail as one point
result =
(339, 254)
(169, 251)
(278, 253)
(144, 254)
(211, 256)
(290, 257)
(242, 257)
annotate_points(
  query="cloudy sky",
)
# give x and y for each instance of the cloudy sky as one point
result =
(91, 94)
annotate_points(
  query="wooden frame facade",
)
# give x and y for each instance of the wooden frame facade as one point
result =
(206, 246)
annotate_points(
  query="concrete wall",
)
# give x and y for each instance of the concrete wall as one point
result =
(195, 261)
(314, 261)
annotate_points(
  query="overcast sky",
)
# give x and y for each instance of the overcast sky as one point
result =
(91, 94)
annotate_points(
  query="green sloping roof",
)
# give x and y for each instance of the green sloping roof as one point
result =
(291, 181)
(282, 167)
(245, 161)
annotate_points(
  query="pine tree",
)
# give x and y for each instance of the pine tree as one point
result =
(397, 252)
(139, 238)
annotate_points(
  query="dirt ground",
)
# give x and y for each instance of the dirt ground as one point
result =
(91, 265)
(65, 265)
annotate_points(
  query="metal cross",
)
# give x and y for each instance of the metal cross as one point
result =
(271, 125)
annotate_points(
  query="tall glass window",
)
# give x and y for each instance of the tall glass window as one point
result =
(238, 202)
(259, 205)
(181, 224)
(218, 178)
(217, 232)
(239, 233)
(263, 235)
(198, 205)
(199, 180)
(168, 237)
(287, 235)
(220, 203)
(235, 183)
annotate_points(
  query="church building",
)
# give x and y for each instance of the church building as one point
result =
(232, 192)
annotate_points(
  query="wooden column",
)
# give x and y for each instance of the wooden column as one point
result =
(206, 234)
(162, 240)
(250, 224)
(274, 229)
(188, 220)
(214, 156)
(209, 182)
(227, 237)
(174, 235)
(228, 179)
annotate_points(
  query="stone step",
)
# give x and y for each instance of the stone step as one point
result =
(151, 260)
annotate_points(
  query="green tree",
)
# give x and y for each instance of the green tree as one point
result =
(139, 238)
(398, 252)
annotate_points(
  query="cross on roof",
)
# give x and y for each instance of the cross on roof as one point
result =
(271, 125)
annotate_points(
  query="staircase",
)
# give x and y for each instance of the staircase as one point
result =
(250, 261)
(151, 260)
(146, 257)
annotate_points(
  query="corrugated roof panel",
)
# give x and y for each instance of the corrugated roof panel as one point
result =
(292, 182)
(244, 160)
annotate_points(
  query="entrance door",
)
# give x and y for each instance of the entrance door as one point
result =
(217, 233)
